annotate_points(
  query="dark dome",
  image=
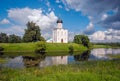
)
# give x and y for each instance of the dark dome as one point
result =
(59, 21)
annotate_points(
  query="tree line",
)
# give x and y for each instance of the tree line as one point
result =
(32, 34)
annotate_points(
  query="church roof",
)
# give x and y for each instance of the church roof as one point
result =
(59, 21)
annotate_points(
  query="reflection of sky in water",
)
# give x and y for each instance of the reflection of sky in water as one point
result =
(101, 53)
(16, 62)
(96, 54)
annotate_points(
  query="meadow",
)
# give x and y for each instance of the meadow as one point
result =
(50, 47)
(84, 71)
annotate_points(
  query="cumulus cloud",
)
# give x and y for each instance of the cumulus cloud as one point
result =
(5, 21)
(89, 29)
(109, 35)
(44, 21)
(14, 29)
(99, 35)
(20, 16)
(97, 9)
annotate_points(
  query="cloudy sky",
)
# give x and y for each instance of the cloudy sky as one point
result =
(99, 19)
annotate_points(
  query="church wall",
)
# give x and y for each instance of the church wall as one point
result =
(60, 35)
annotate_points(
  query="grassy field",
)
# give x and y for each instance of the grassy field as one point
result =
(85, 71)
(51, 47)
(117, 56)
(104, 46)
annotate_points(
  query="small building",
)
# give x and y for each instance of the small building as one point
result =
(60, 35)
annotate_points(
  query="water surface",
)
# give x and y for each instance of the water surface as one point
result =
(40, 61)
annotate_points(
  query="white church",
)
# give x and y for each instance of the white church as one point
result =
(60, 35)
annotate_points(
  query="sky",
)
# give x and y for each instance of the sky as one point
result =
(98, 19)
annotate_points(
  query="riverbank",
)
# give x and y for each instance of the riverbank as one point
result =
(104, 46)
(50, 47)
(85, 71)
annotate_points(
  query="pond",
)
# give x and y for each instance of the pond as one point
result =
(22, 61)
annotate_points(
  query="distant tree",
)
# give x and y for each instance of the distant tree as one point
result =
(32, 33)
(82, 39)
(3, 38)
(14, 39)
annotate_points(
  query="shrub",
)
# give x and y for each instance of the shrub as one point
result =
(40, 47)
(71, 49)
(1, 48)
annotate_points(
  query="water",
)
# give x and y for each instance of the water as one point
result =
(43, 61)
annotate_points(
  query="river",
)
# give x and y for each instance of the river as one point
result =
(43, 61)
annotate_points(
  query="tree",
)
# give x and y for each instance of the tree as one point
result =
(32, 33)
(14, 39)
(3, 38)
(82, 39)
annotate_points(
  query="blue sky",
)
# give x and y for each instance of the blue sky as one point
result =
(91, 17)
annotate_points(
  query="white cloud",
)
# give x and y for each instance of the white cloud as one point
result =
(44, 21)
(15, 29)
(60, 6)
(58, 1)
(98, 10)
(47, 3)
(89, 28)
(104, 16)
(20, 16)
(99, 35)
(71, 36)
(107, 36)
(4, 21)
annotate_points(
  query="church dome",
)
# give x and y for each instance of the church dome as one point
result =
(59, 21)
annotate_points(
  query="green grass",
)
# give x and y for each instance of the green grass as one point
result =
(2, 60)
(104, 46)
(101, 46)
(85, 71)
(51, 47)
(114, 56)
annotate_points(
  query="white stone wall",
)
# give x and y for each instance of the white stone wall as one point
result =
(60, 36)
(59, 25)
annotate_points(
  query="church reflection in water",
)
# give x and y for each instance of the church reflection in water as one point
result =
(22, 61)
(56, 60)
(43, 60)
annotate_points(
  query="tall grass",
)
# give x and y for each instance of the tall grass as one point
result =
(84, 71)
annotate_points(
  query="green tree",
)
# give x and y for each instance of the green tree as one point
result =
(3, 38)
(14, 39)
(32, 33)
(42, 38)
(82, 39)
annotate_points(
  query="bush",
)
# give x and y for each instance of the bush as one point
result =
(40, 47)
(1, 48)
(71, 49)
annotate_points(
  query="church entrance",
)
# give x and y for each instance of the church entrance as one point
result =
(61, 40)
